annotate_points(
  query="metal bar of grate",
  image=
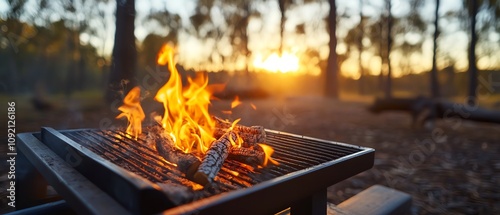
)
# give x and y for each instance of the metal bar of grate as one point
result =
(66, 180)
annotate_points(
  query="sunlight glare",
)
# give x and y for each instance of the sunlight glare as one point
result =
(287, 63)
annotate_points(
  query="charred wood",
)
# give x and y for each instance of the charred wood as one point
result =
(250, 135)
(252, 156)
(214, 158)
(186, 163)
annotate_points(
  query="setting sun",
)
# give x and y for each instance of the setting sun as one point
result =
(286, 63)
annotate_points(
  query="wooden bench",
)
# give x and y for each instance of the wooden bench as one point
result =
(376, 200)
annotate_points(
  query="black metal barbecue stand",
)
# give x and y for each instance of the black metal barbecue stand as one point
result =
(73, 162)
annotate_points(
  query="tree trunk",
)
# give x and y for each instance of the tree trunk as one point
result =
(82, 77)
(471, 99)
(361, 80)
(381, 85)
(244, 36)
(388, 86)
(13, 83)
(434, 79)
(331, 74)
(282, 6)
(72, 67)
(124, 57)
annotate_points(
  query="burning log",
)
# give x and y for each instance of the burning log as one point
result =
(186, 163)
(250, 156)
(214, 158)
(250, 135)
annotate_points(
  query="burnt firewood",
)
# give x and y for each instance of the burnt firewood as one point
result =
(252, 156)
(186, 163)
(250, 135)
(214, 158)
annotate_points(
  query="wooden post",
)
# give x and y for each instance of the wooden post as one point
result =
(31, 187)
(314, 204)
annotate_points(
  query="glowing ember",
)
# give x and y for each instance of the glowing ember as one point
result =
(253, 106)
(132, 110)
(235, 102)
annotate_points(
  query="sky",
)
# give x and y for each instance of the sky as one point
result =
(452, 41)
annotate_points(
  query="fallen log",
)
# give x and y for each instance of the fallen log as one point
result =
(398, 104)
(421, 109)
(214, 158)
(424, 109)
(186, 163)
(251, 156)
(448, 110)
(250, 135)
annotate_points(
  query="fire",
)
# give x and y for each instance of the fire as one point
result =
(186, 118)
(132, 110)
(268, 151)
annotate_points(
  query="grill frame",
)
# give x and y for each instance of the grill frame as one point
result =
(316, 178)
(313, 180)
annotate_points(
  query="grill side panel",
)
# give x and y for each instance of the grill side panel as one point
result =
(131, 191)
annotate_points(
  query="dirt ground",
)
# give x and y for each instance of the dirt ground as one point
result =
(453, 168)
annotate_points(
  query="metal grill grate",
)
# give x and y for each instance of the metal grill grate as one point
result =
(292, 152)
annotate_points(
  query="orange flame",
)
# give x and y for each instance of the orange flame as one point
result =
(132, 110)
(186, 118)
(268, 151)
(239, 141)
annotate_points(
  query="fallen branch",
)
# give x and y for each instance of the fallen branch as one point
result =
(427, 109)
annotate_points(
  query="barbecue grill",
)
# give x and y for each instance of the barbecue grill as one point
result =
(106, 172)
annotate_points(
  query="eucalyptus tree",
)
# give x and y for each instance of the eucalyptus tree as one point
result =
(124, 56)
(388, 83)
(332, 68)
(492, 11)
(360, 36)
(472, 7)
(12, 36)
(433, 74)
